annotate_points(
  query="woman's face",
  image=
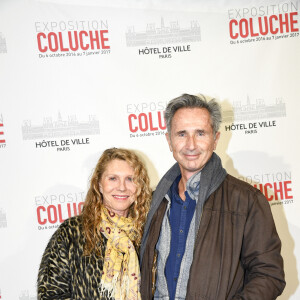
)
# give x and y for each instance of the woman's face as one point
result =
(117, 187)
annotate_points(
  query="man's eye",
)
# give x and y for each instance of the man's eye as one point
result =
(200, 133)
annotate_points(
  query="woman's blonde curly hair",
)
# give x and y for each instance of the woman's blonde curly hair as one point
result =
(93, 202)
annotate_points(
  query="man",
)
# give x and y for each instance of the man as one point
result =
(208, 235)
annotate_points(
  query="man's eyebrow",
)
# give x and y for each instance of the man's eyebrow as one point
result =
(180, 132)
(184, 131)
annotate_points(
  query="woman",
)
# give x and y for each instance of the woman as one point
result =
(93, 255)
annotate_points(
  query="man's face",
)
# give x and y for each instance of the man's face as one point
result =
(191, 139)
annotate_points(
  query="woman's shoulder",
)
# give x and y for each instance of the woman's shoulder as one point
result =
(70, 229)
(72, 225)
(72, 222)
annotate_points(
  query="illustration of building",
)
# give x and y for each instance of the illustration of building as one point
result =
(60, 128)
(3, 221)
(3, 48)
(25, 296)
(254, 111)
(163, 34)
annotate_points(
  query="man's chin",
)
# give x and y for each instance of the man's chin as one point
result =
(191, 168)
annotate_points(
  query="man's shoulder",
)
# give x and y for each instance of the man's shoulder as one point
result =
(172, 173)
(239, 184)
(238, 195)
(166, 181)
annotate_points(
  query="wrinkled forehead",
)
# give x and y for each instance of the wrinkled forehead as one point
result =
(191, 117)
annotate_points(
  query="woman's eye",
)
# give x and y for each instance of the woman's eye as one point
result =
(130, 179)
(112, 178)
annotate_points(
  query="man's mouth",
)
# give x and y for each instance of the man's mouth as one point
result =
(191, 156)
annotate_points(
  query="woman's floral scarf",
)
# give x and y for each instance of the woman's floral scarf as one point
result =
(121, 273)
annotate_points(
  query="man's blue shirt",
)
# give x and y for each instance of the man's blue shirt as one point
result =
(181, 214)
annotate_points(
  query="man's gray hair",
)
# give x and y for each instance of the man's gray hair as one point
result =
(192, 101)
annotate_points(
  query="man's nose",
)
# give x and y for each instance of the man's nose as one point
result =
(190, 144)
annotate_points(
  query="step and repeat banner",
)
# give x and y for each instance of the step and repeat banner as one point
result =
(78, 77)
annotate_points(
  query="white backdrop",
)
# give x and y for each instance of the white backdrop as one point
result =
(80, 76)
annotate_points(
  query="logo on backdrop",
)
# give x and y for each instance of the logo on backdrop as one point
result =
(2, 136)
(26, 296)
(3, 48)
(53, 209)
(3, 221)
(263, 23)
(146, 119)
(169, 39)
(253, 116)
(72, 38)
(58, 128)
(277, 187)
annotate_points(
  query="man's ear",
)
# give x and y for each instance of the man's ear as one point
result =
(218, 134)
(169, 141)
